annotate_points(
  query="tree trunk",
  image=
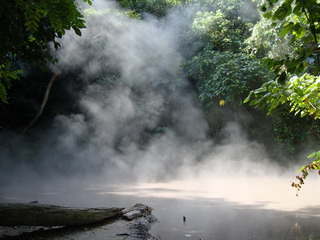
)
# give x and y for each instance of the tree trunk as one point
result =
(50, 215)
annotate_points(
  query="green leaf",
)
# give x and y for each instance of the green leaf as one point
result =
(77, 31)
(282, 12)
(247, 99)
(268, 15)
(286, 29)
(56, 45)
(3, 93)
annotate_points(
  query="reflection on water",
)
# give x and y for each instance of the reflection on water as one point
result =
(222, 208)
(229, 208)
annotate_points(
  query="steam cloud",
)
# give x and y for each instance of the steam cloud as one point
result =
(109, 140)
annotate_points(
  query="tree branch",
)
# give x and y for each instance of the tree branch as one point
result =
(44, 102)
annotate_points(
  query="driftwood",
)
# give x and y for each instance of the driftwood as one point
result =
(51, 215)
(131, 224)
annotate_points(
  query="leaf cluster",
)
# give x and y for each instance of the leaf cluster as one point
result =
(220, 70)
(301, 93)
(305, 170)
(7, 73)
(298, 23)
(156, 8)
(29, 26)
(291, 130)
(219, 30)
(224, 75)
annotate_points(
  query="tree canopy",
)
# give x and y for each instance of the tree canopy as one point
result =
(261, 52)
(221, 70)
(27, 29)
(296, 69)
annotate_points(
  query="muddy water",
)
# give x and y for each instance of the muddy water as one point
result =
(231, 208)
(204, 208)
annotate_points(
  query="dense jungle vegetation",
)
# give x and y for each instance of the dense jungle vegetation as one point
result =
(254, 62)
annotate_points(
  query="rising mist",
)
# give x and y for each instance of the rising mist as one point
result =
(139, 118)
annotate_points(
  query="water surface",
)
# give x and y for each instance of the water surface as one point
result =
(230, 207)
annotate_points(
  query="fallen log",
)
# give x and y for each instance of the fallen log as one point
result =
(51, 215)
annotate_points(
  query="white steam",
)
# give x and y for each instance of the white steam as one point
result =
(109, 141)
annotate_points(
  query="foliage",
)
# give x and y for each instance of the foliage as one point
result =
(265, 42)
(224, 75)
(220, 31)
(302, 94)
(305, 170)
(298, 23)
(6, 75)
(89, 12)
(290, 130)
(28, 27)
(220, 70)
(246, 9)
(297, 68)
(156, 8)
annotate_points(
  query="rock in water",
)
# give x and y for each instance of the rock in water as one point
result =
(137, 210)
